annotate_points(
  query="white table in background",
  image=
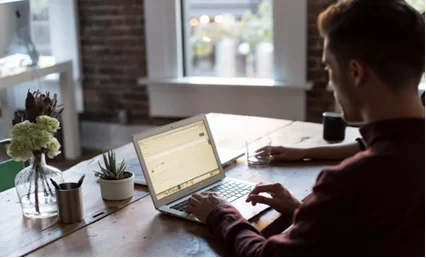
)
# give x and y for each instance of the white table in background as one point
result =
(70, 124)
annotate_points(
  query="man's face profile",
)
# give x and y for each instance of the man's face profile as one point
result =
(344, 90)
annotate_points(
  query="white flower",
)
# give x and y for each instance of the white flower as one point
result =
(47, 123)
(53, 148)
(28, 137)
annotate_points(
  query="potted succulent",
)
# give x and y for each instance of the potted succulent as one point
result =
(116, 183)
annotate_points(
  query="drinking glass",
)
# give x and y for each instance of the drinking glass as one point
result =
(258, 151)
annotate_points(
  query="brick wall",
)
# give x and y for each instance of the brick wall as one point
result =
(318, 99)
(113, 57)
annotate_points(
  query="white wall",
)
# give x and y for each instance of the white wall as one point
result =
(183, 101)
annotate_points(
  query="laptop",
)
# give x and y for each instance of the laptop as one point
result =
(181, 159)
(226, 156)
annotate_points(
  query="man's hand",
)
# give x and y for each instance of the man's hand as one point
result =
(281, 199)
(201, 205)
(280, 154)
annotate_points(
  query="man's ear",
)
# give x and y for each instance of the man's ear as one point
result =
(357, 72)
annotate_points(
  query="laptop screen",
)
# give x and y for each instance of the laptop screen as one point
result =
(179, 158)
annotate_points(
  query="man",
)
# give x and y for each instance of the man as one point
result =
(371, 204)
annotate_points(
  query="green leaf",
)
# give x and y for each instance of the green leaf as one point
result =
(105, 171)
(122, 166)
(108, 157)
(98, 174)
(99, 164)
(105, 160)
(113, 165)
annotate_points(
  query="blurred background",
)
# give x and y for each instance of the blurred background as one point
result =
(108, 42)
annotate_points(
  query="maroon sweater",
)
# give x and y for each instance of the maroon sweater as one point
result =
(372, 204)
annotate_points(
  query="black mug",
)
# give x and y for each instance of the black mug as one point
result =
(334, 126)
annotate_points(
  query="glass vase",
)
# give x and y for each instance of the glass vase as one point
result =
(35, 190)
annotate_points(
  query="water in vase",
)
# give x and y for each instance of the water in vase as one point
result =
(47, 206)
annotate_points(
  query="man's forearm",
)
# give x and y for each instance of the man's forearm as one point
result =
(333, 152)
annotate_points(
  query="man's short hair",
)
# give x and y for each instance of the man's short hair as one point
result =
(386, 35)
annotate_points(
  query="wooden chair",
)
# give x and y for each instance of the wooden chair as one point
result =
(9, 169)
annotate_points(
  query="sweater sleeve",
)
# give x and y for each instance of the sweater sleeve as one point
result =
(234, 232)
(317, 227)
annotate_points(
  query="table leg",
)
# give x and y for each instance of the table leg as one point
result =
(6, 104)
(70, 124)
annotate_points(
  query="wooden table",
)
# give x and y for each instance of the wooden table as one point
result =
(134, 227)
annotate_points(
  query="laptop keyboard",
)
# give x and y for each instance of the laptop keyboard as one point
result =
(230, 190)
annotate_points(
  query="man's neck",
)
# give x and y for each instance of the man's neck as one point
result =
(394, 107)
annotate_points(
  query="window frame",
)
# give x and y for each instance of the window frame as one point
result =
(164, 36)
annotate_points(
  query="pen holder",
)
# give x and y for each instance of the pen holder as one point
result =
(69, 202)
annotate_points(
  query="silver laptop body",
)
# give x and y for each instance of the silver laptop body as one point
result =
(181, 159)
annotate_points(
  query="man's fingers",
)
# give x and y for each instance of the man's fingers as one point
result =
(190, 209)
(259, 199)
(263, 149)
(264, 188)
(195, 199)
(273, 149)
(210, 193)
(207, 194)
(198, 196)
(193, 203)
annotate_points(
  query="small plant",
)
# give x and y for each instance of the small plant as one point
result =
(111, 171)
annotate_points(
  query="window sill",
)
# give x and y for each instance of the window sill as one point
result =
(225, 82)
(183, 97)
(421, 88)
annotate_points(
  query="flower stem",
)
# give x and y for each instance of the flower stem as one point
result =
(43, 175)
(37, 205)
(29, 188)
(39, 174)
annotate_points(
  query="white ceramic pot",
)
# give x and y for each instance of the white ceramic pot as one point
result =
(115, 190)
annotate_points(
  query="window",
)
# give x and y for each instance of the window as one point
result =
(168, 33)
(40, 30)
(232, 38)
(417, 4)
(172, 88)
